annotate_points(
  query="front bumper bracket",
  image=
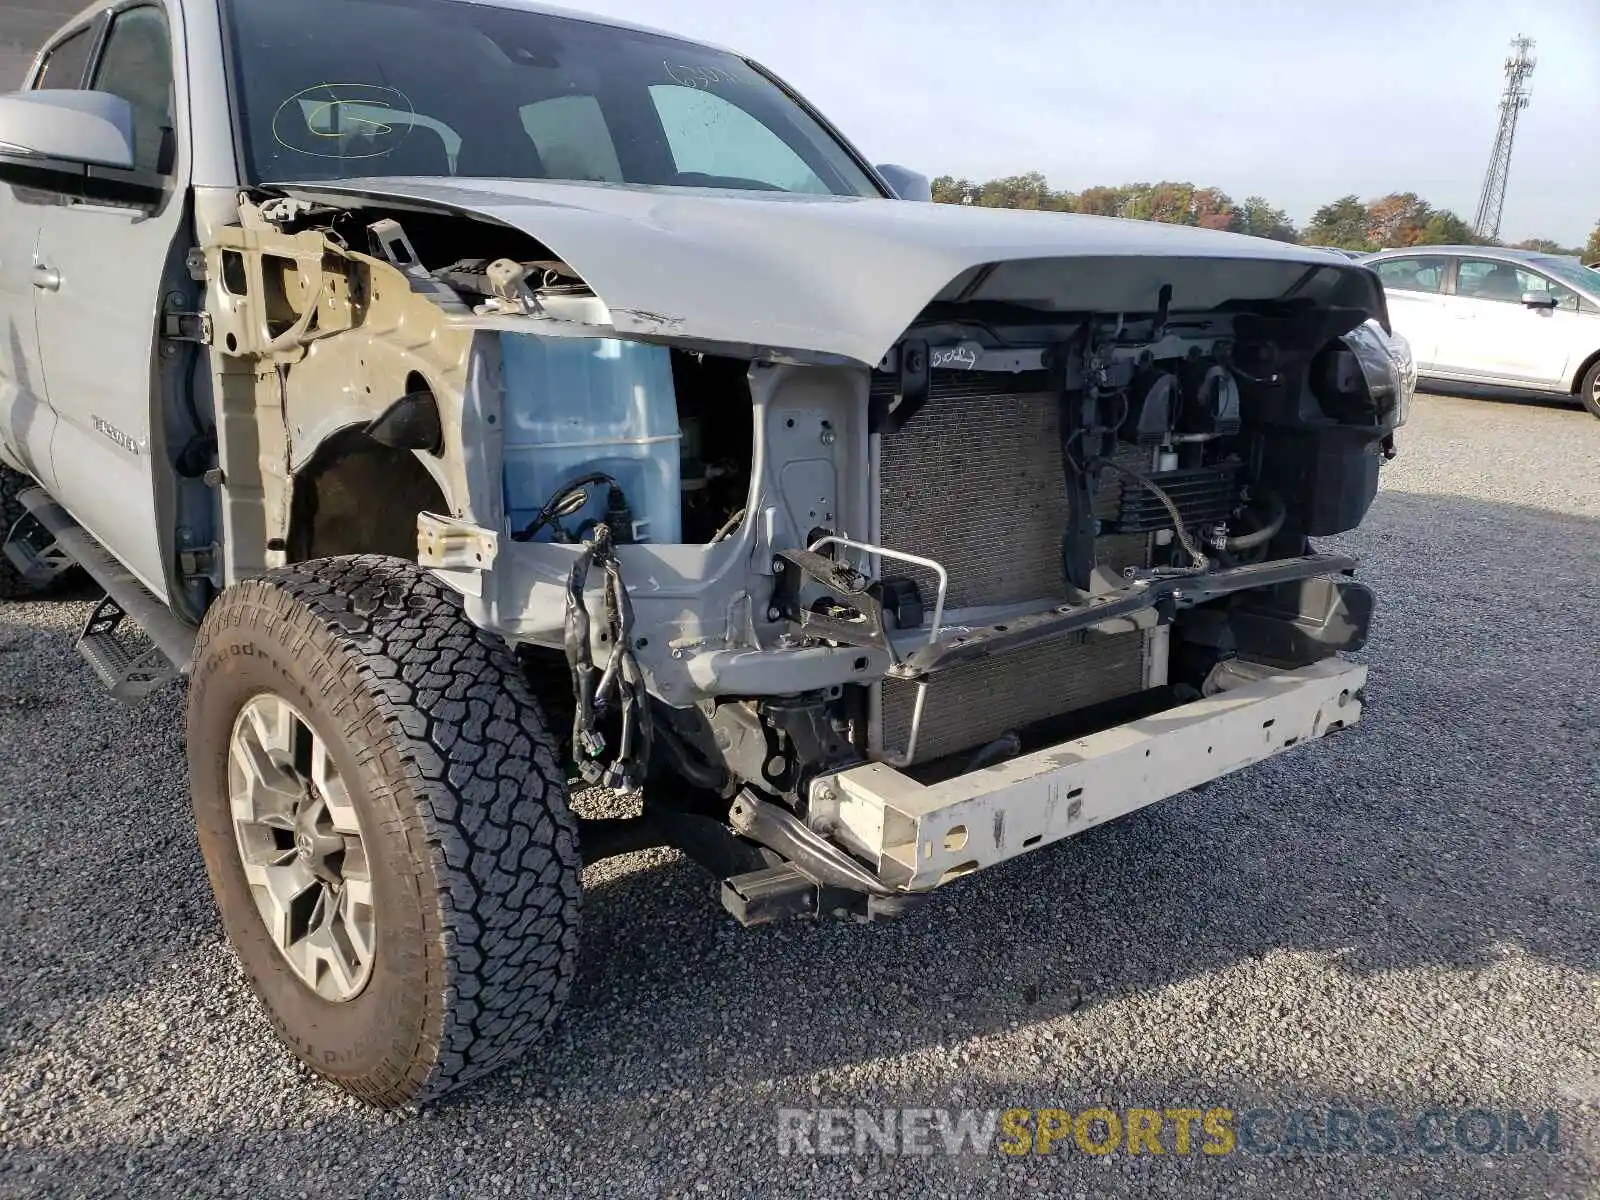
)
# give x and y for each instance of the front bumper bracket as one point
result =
(919, 836)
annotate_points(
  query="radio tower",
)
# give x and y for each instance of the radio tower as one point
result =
(1512, 101)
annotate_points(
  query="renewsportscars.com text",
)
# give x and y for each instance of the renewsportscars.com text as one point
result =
(1176, 1130)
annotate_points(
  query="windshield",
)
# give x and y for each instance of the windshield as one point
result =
(1570, 270)
(331, 89)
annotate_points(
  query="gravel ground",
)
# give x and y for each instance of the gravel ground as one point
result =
(1404, 916)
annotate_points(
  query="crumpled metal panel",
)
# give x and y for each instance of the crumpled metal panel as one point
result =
(835, 276)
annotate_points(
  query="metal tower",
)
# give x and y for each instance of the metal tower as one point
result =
(1512, 101)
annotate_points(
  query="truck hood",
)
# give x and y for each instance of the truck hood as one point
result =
(825, 277)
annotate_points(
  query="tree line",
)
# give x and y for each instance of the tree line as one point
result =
(1351, 223)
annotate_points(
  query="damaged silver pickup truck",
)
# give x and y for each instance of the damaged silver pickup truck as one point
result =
(478, 402)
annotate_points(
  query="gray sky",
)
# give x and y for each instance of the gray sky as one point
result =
(1300, 102)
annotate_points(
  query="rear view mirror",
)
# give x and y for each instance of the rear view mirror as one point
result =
(77, 144)
(1539, 300)
(905, 183)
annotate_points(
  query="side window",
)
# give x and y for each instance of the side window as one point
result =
(1411, 274)
(1546, 288)
(1483, 279)
(64, 65)
(712, 136)
(572, 139)
(137, 65)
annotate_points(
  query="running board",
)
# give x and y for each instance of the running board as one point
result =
(35, 553)
(131, 672)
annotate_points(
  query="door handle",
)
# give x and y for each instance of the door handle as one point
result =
(46, 279)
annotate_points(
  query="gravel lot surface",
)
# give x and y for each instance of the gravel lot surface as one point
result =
(1404, 916)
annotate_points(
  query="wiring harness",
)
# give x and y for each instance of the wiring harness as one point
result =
(620, 688)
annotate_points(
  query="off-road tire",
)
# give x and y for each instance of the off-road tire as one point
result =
(473, 851)
(12, 484)
(1589, 389)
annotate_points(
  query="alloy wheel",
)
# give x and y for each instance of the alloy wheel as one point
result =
(301, 848)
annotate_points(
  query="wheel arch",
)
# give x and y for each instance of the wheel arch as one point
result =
(1583, 369)
(356, 495)
(314, 349)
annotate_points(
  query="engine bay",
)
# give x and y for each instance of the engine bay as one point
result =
(758, 567)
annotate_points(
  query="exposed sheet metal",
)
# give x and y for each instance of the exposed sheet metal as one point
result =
(840, 277)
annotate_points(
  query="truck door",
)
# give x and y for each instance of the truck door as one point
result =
(99, 315)
(26, 421)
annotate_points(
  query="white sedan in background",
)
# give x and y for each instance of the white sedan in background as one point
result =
(1495, 317)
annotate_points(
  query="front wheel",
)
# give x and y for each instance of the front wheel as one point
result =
(384, 821)
(1589, 389)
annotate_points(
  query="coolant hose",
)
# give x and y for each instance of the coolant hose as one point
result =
(1260, 537)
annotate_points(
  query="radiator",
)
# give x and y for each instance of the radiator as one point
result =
(974, 481)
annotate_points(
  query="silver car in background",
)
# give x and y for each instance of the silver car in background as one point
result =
(1503, 318)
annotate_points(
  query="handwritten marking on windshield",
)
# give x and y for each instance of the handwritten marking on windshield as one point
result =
(339, 121)
(321, 121)
(699, 78)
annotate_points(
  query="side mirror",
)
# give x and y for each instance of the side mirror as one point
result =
(905, 183)
(1539, 300)
(77, 144)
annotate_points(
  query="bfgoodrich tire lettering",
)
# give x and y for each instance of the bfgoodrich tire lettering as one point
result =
(472, 850)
